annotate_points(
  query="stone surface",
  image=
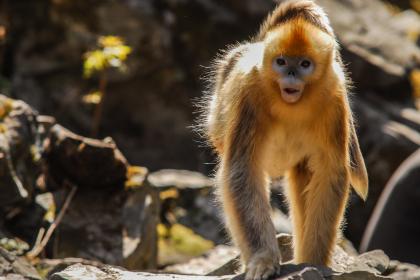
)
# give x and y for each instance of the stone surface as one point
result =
(20, 147)
(388, 134)
(188, 198)
(115, 227)
(99, 163)
(181, 179)
(140, 217)
(15, 267)
(78, 271)
(396, 209)
(207, 264)
(380, 55)
(370, 265)
(403, 271)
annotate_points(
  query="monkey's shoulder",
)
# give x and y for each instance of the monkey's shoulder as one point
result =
(243, 60)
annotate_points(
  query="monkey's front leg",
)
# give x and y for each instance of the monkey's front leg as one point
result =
(325, 200)
(245, 200)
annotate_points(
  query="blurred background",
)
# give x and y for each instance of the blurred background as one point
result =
(131, 70)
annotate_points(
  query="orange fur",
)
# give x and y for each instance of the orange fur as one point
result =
(258, 135)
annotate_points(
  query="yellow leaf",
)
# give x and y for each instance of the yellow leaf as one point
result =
(112, 52)
(171, 193)
(95, 61)
(110, 41)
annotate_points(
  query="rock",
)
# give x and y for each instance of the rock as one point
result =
(14, 267)
(288, 271)
(113, 215)
(309, 273)
(12, 276)
(396, 209)
(403, 271)
(79, 271)
(388, 134)
(299, 272)
(207, 264)
(406, 275)
(14, 246)
(140, 219)
(26, 221)
(20, 166)
(19, 152)
(375, 262)
(381, 56)
(100, 164)
(50, 266)
(188, 198)
(230, 267)
(114, 227)
(356, 275)
(371, 265)
(375, 259)
(180, 179)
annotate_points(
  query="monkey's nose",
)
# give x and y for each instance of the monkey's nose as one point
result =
(291, 73)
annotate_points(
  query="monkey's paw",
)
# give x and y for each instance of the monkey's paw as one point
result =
(262, 266)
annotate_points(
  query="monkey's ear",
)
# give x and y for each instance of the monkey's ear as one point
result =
(358, 173)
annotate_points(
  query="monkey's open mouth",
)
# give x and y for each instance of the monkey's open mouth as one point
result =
(291, 90)
(291, 95)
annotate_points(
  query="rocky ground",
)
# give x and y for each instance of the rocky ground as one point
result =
(110, 216)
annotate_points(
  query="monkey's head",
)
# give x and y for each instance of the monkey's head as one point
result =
(296, 54)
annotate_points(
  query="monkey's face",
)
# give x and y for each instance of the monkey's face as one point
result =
(292, 71)
(296, 55)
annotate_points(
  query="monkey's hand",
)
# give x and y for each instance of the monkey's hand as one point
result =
(263, 265)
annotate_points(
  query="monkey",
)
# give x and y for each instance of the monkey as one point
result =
(278, 105)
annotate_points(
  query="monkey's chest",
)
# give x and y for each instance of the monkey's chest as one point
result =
(282, 152)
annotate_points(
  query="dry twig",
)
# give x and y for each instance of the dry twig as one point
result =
(39, 246)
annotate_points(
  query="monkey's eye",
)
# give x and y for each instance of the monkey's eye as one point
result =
(280, 61)
(305, 63)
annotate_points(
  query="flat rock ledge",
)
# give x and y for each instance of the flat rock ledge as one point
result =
(373, 265)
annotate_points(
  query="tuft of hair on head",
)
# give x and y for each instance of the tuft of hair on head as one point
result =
(296, 9)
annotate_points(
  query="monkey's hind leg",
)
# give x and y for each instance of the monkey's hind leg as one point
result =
(325, 198)
(298, 178)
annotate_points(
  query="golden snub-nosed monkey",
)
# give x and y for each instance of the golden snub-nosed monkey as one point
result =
(278, 105)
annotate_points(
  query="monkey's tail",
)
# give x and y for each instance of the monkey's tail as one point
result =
(358, 173)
